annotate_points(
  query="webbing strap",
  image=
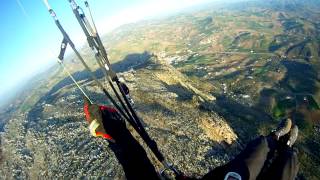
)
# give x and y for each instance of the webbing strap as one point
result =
(65, 35)
(63, 48)
(93, 126)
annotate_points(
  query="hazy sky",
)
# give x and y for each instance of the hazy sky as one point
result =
(30, 39)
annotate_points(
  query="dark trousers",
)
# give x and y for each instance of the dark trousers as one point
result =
(133, 158)
(257, 161)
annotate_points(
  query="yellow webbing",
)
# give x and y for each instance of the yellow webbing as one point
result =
(93, 126)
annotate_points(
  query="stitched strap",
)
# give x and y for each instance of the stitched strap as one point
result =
(93, 126)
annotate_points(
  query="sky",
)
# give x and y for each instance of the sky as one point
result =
(30, 40)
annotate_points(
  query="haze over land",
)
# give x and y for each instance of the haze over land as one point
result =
(205, 82)
(31, 41)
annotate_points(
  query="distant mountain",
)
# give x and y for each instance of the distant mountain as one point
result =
(279, 5)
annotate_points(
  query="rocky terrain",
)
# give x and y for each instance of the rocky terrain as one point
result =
(205, 82)
(52, 139)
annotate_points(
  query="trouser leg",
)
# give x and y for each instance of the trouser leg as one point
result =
(285, 166)
(133, 159)
(247, 164)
